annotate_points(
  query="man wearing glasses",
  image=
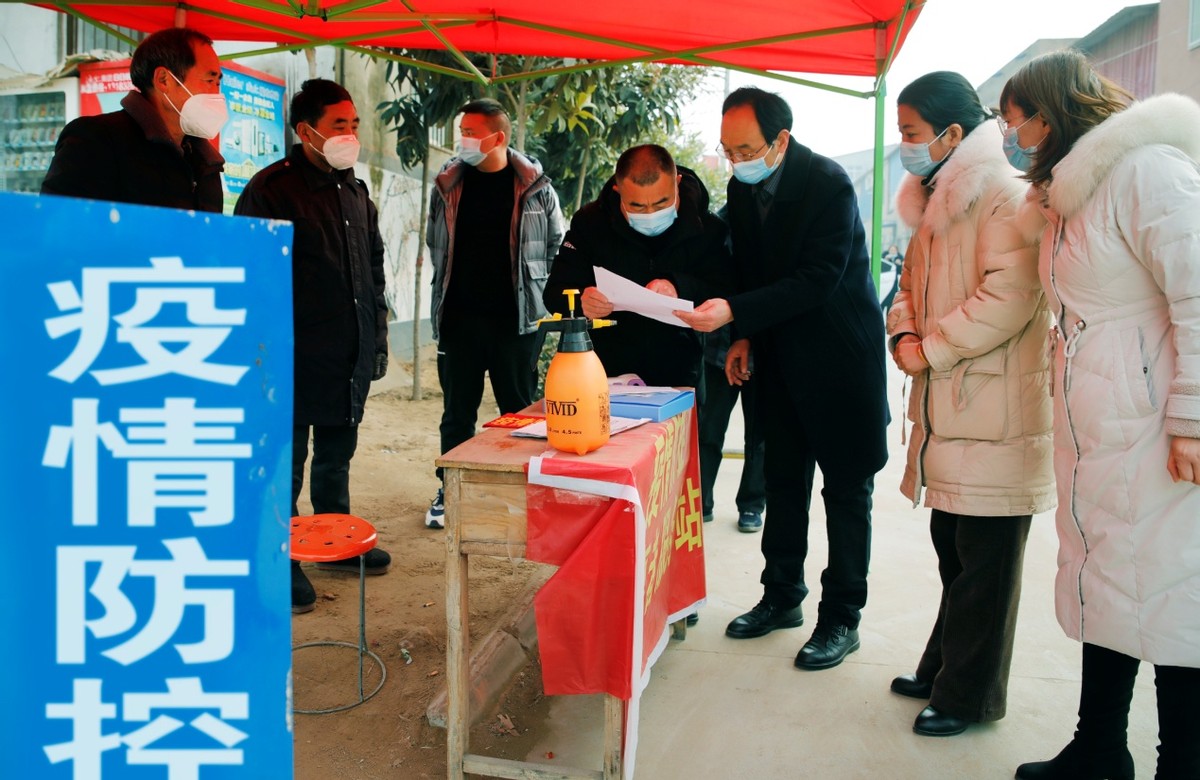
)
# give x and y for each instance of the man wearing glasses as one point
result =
(807, 308)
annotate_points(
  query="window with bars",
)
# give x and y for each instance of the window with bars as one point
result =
(442, 135)
(79, 36)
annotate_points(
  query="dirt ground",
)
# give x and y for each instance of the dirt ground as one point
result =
(392, 482)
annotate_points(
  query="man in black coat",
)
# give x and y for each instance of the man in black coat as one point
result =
(338, 306)
(651, 225)
(156, 150)
(807, 306)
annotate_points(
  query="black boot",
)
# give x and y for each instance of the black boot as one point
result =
(1076, 763)
(1178, 722)
(1099, 750)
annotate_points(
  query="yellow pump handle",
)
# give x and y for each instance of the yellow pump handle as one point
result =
(571, 300)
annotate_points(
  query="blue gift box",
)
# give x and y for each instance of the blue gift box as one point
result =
(656, 406)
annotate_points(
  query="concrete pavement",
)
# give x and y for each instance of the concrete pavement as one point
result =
(721, 708)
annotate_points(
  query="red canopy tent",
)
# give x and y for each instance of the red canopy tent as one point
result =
(850, 37)
(845, 37)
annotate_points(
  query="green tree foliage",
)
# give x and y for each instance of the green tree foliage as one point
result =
(575, 123)
(689, 150)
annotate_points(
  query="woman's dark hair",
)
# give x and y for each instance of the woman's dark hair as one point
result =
(945, 98)
(172, 48)
(771, 111)
(1065, 91)
(315, 95)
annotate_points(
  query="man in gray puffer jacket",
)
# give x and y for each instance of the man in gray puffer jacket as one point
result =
(494, 228)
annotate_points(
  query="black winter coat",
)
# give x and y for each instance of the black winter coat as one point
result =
(691, 254)
(128, 156)
(809, 307)
(338, 306)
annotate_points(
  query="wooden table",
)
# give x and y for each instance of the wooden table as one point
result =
(484, 496)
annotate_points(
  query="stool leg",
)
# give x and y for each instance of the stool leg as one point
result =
(362, 620)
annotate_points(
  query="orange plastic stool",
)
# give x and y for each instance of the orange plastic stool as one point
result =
(334, 537)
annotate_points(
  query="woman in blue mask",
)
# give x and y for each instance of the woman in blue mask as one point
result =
(969, 326)
(1119, 183)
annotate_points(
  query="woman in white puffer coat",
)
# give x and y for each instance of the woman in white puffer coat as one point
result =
(1120, 260)
(969, 324)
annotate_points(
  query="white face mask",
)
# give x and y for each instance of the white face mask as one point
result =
(654, 223)
(916, 159)
(469, 152)
(341, 151)
(754, 171)
(202, 115)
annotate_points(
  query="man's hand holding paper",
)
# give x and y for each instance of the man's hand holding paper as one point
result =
(624, 295)
(595, 304)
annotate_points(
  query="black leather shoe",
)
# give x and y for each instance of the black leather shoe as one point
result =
(827, 647)
(912, 686)
(377, 562)
(1077, 763)
(764, 619)
(304, 595)
(935, 723)
(693, 619)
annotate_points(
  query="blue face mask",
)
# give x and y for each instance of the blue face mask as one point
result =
(655, 223)
(916, 158)
(754, 171)
(468, 150)
(1021, 158)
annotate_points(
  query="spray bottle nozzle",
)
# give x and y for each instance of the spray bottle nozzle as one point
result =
(574, 329)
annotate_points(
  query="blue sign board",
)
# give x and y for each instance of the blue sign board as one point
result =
(145, 463)
(252, 139)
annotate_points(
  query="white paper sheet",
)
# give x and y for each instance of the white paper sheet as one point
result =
(628, 296)
(616, 425)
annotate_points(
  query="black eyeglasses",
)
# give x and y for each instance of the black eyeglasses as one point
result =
(739, 156)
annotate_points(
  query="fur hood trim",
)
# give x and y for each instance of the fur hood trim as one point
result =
(971, 170)
(1170, 119)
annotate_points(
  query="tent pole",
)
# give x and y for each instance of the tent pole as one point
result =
(877, 183)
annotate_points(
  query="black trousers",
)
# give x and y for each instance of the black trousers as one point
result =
(969, 652)
(718, 403)
(1105, 693)
(790, 464)
(329, 485)
(468, 348)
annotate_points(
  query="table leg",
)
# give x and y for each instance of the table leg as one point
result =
(614, 715)
(457, 631)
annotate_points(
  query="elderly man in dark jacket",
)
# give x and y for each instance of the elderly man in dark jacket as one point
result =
(155, 150)
(808, 307)
(339, 310)
(651, 225)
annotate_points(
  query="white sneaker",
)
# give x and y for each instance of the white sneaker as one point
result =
(435, 516)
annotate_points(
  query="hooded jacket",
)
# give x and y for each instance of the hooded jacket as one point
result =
(128, 156)
(982, 432)
(1120, 261)
(537, 231)
(691, 254)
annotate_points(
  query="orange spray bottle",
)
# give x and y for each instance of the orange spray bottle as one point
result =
(577, 410)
